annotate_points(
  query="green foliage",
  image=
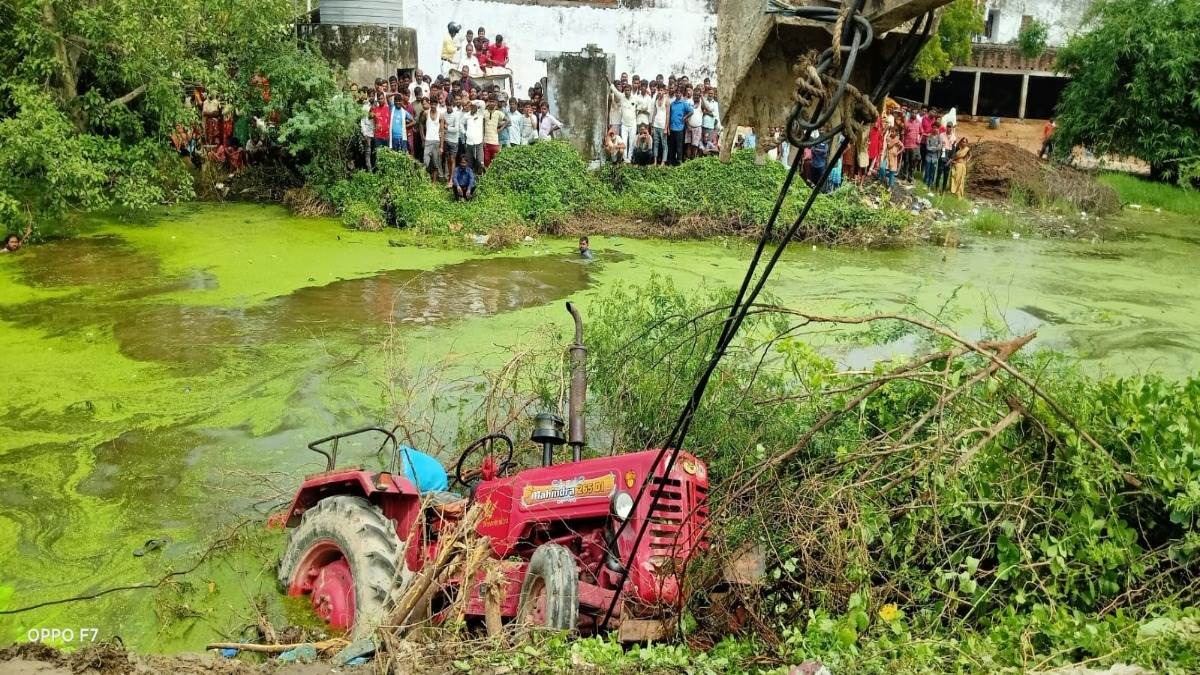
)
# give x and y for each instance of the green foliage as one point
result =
(545, 184)
(1133, 88)
(1031, 40)
(322, 135)
(47, 168)
(100, 86)
(989, 221)
(1149, 194)
(961, 20)
(945, 560)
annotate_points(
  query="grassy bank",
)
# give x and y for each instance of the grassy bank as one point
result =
(1149, 194)
(545, 187)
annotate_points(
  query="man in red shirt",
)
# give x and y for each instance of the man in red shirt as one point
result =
(1048, 139)
(381, 111)
(497, 54)
(912, 145)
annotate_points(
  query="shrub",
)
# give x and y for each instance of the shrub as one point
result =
(545, 184)
(986, 538)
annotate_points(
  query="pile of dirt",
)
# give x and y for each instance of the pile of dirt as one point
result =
(998, 169)
(995, 167)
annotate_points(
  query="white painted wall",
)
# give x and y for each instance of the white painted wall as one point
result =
(1063, 17)
(659, 36)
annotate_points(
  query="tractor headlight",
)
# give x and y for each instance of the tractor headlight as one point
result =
(622, 505)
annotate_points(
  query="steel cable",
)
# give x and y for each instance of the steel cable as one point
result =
(856, 34)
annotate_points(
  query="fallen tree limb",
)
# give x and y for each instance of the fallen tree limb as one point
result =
(321, 646)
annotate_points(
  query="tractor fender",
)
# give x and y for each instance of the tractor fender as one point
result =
(395, 495)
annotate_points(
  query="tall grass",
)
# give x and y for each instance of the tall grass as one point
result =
(988, 221)
(1134, 190)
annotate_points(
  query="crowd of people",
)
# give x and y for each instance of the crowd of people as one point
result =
(453, 124)
(661, 121)
(905, 145)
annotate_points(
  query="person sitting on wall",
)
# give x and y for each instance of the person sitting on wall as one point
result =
(452, 48)
(471, 63)
(498, 53)
(463, 181)
(481, 43)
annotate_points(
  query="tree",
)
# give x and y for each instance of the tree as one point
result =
(100, 84)
(1135, 85)
(960, 21)
(1031, 41)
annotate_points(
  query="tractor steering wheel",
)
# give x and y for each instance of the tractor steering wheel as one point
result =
(496, 470)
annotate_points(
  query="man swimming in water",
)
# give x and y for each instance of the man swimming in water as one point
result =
(12, 242)
(585, 250)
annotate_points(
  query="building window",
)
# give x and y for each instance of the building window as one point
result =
(989, 27)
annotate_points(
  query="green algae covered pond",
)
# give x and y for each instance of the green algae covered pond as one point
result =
(161, 379)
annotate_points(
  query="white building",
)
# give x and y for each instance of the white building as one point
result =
(999, 81)
(647, 37)
(1006, 18)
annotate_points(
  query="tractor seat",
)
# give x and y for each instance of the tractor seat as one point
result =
(449, 505)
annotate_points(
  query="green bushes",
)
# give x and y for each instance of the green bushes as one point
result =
(1029, 545)
(547, 184)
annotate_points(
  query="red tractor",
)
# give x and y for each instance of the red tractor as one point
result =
(357, 535)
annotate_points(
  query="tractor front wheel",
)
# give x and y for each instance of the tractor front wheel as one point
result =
(550, 592)
(345, 555)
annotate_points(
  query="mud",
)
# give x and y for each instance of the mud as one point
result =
(105, 658)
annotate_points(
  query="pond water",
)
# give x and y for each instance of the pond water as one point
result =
(162, 378)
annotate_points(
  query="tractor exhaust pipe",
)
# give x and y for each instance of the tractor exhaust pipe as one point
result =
(578, 387)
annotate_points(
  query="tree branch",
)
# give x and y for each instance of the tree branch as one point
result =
(141, 89)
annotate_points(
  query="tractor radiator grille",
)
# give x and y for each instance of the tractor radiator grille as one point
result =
(678, 519)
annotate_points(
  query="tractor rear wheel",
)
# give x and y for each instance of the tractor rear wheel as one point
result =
(345, 555)
(550, 592)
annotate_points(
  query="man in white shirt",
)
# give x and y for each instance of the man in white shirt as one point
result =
(528, 124)
(628, 127)
(515, 136)
(660, 105)
(453, 135)
(366, 126)
(473, 136)
(712, 114)
(470, 62)
(642, 103)
(695, 128)
(434, 125)
(418, 81)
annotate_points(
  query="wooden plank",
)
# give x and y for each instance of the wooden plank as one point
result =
(643, 630)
